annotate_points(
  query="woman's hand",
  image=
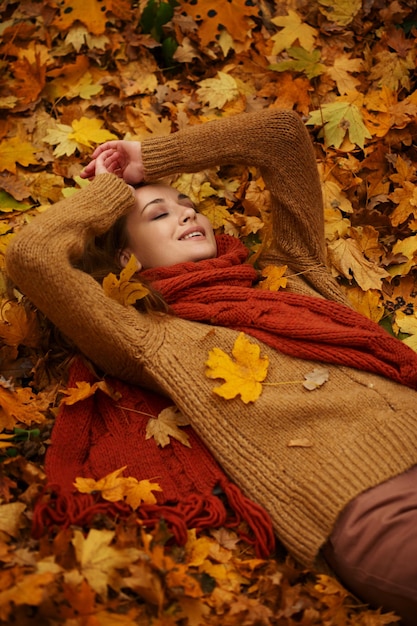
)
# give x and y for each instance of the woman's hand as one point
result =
(123, 158)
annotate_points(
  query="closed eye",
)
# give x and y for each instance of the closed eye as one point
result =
(158, 217)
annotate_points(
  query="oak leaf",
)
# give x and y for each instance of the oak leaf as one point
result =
(84, 390)
(99, 561)
(243, 374)
(122, 289)
(293, 29)
(116, 488)
(166, 426)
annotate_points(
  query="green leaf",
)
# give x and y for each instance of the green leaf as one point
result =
(339, 118)
(8, 204)
(304, 61)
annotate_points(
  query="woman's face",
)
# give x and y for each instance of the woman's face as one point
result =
(165, 229)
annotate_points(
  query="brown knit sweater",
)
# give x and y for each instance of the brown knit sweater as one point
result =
(356, 431)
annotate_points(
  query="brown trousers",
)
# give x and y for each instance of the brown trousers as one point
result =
(373, 547)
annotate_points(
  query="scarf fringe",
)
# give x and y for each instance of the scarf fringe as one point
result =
(59, 509)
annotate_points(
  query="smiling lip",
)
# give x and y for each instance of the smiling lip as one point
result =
(190, 231)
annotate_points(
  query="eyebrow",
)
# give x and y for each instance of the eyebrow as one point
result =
(181, 196)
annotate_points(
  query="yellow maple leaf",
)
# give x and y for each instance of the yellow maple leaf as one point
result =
(116, 488)
(367, 302)
(87, 131)
(122, 289)
(293, 28)
(13, 151)
(166, 426)
(216, 92)
(243, 375)
(215, 212)
(99, 561)
(84, 390)
(274, 277)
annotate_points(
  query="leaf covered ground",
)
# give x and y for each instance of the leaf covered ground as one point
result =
(75, 73)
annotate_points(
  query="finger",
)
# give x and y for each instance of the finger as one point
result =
(89, 170)
(103, 147)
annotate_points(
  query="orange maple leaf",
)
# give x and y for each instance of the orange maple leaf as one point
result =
(92, 13)
(84, 390)
(274, 277)
(235, 16)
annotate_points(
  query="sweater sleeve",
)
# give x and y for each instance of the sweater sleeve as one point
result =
(40, 260)
(277, 142)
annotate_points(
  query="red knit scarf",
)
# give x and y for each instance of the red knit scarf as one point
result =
(220, 291)
(99, 435)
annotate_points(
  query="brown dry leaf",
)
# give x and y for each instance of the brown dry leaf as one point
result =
(166, 425)
(29, 589)
(10, 517)
(84, 390)
(243, 375)
(348, 259)
(18, 326)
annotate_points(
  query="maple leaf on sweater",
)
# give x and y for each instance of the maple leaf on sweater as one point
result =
(243, 374)
(166, 426)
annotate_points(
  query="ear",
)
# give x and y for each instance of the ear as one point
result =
(124, 258)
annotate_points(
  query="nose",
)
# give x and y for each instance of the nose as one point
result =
(187, 213)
